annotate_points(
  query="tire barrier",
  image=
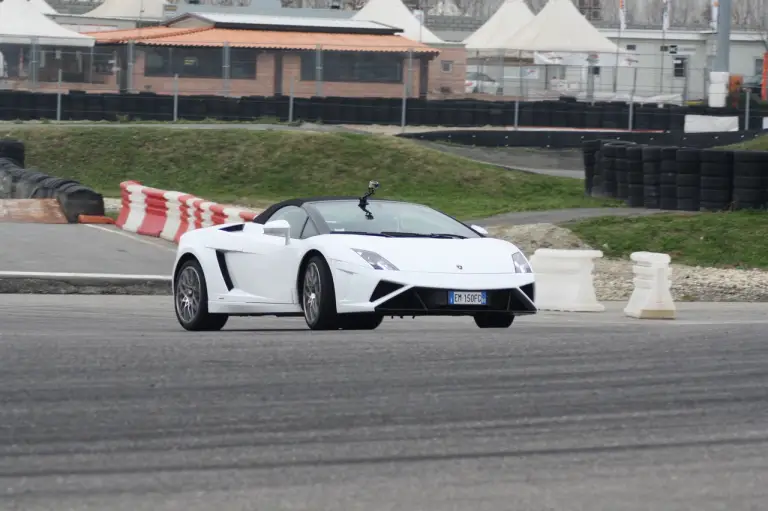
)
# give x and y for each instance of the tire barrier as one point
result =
(652, 296)
(575, 139)
(169, 214)
(688, 179)
(13, 150)
(150, 106)
(590, 149)
(716, 180)
(668, 179)
(677, 178)
(612, 167)
(564, 280)
(651, 160)
(17, 182)
(634, 164)
(749, 179)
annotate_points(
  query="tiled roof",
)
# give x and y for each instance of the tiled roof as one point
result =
(139, 34)
(218, 37)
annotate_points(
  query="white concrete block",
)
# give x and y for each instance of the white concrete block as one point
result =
(564, 280)
(652, 295)
(718, 89)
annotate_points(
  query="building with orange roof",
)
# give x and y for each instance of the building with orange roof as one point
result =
(244, 55)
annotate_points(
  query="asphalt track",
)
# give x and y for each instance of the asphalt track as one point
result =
(106, 404)
(76, 248)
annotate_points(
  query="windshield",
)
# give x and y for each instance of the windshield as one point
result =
(391, 218)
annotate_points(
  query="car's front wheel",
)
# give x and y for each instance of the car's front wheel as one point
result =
(191, 300)
(494, 320)
(318, 296)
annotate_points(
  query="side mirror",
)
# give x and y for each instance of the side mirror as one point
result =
(479, 230)
(278, 228)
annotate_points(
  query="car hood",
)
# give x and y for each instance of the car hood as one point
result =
(429, 255)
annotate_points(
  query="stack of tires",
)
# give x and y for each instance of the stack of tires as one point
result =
(622, 183)
(688, 179)
(748, 180)
(668, 179)
(613, 167)
(716, 190)
(635, 183)
(608, 169)
(590, 149)
(651, 176)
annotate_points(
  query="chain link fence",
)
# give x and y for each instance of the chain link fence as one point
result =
(345, 74)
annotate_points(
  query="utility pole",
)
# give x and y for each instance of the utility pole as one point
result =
(720, 76)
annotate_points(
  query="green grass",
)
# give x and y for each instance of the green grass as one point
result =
(121, 119)
(256, 167)
(727, 240)
(756, 144)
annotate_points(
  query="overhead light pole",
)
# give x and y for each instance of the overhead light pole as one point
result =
(720, 75)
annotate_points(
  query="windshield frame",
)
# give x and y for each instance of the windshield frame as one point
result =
(316, 214)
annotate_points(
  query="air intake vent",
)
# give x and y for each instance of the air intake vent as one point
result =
(383, 289)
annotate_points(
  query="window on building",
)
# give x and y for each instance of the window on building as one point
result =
(446, 66)
(365, 67)
(758, 66)
(631, 47)
(680, 67)
(596, 70)
(242, 63)
(200, 62)
(591, 9)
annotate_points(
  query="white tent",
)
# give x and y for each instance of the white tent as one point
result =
(130, 9)
(395, 14)
(22, 23)
(560, 27)
(43, 6)
(512, 16)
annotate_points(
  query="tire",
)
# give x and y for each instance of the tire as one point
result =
(716, 156)
(716, 169)
(189, 281)
(687, 192)
(360, 321)
(668, 166)
(688, 205)
(715, 183)
(668, 153)
(687, 154)
(651, 154)
(688, 180)
(318, 296)
(494, 320)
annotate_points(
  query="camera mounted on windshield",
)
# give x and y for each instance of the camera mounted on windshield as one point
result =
(372, 187)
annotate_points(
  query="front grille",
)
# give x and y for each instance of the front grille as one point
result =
(423, 300)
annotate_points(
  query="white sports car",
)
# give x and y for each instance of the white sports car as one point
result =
(345, 263)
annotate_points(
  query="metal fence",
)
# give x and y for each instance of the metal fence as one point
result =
(318, 71)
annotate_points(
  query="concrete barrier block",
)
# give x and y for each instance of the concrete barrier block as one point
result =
(652, 295)
(564, 280)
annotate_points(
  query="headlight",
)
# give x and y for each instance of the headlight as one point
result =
(375, 260)
(521, 263)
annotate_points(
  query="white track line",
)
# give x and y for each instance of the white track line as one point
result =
(130, 236)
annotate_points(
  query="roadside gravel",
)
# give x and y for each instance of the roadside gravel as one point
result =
(613, 278)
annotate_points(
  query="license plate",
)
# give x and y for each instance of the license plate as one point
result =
(467, 298)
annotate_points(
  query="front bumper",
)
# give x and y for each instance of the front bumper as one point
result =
(398, 293)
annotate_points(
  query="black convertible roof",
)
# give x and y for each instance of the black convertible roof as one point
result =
(261, 218)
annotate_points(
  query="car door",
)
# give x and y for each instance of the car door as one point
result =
(266, 267)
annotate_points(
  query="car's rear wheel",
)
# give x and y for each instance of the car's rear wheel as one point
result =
(363, 321)
(318, 296)
(494, 320)
(191, 300)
